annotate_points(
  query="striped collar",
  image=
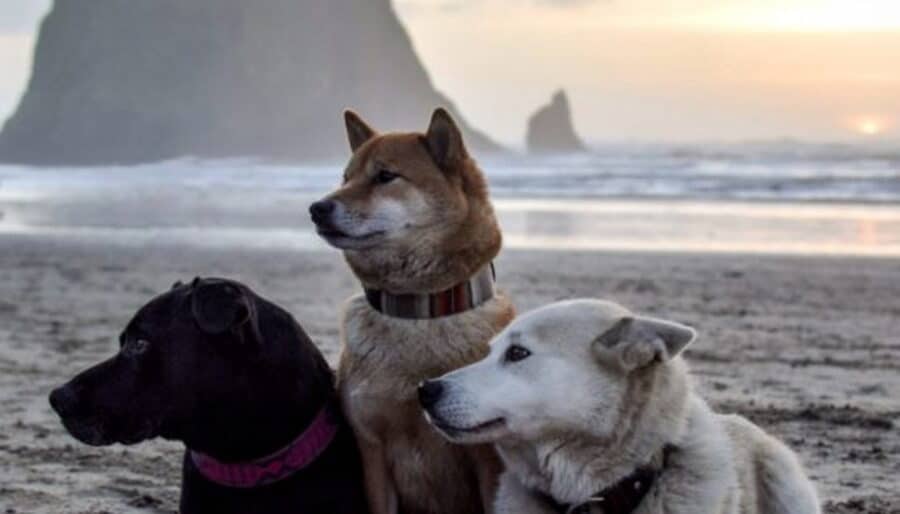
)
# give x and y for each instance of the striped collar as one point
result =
(459, 298)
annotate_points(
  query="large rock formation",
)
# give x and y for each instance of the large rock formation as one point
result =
(124, 81)
(550, 129)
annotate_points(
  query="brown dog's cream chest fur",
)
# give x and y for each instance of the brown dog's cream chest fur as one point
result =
(383, 361)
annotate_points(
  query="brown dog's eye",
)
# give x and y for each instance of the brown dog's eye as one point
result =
(385, 177)
(516, 353)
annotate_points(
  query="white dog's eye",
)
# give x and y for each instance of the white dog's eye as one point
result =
(516, 353)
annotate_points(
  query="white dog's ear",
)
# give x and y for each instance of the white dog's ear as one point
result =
(358, 131)
(640, 341)
(444, 140)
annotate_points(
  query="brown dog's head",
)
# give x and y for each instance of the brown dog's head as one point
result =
(413, 213)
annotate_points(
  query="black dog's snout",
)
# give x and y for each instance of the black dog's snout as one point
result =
(63, 400)
(430, 392)
(321, 210)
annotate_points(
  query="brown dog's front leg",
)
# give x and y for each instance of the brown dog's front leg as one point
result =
(514, 498)
(488, 468)
(380, 488)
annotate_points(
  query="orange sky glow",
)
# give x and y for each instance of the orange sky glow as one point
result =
(682, 70)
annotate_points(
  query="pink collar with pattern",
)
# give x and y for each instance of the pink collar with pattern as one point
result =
(278, 466)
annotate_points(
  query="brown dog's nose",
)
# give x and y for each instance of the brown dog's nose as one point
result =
(63, 400)
(430, 392)
(320, 211)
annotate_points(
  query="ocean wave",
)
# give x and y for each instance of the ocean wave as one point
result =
(774, 171)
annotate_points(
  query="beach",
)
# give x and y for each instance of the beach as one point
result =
(788, 268)
(732, 166)
(806, 346)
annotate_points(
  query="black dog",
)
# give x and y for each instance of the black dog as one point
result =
(237, 380)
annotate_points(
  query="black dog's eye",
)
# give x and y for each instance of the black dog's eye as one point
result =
(516, 353)
(385, 177)
(136, 346)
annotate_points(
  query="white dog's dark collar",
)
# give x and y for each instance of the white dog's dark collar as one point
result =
(623, 497)
(459, 298)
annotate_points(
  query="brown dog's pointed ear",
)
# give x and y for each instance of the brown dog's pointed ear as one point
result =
(444, 140)
(640, 341)
(358, 131)
(219, 307)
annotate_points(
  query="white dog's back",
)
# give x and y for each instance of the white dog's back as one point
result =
(772, 478)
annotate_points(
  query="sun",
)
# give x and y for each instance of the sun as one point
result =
(869, 125)
(870, 128)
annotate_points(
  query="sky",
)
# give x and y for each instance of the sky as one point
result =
(635, 70)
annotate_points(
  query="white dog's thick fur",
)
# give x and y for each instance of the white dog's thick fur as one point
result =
(579, 394)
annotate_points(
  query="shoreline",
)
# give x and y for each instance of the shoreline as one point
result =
(64, 237)
(222, 220)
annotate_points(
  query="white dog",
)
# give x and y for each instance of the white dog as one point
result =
(592, 410)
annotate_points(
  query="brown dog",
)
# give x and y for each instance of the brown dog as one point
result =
(417, 228)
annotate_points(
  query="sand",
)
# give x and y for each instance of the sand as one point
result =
(807, 347)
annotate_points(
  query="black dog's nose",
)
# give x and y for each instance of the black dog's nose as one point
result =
(320, 210)
(430, 392)
(63, 400)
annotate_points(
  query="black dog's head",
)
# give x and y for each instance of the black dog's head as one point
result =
(205, 363)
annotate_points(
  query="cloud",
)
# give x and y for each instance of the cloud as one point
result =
(453, 6)
(15, 63)
(568, 3)
(414, 7)
(23, 16)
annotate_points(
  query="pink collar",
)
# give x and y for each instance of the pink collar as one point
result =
(278, 466)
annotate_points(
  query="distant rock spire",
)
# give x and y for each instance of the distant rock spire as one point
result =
(550, 129)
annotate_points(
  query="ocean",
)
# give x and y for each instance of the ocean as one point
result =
(785, 198)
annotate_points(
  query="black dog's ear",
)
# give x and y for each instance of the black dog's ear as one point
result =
(178, 284)
(444, 140)
(219, 307)
(358, 131)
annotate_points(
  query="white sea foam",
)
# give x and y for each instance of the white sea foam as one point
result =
(781, 198)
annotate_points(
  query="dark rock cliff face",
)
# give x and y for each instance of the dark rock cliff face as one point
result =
(125, 81)
(550, 129)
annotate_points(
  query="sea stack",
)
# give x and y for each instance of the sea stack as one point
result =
(124, 81)
(550, 129)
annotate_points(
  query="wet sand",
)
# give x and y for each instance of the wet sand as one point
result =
(808, 347)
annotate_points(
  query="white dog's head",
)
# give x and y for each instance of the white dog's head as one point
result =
(564, 368)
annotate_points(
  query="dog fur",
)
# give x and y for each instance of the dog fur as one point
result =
(232, 375)
(412, 216)
(579, 394)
